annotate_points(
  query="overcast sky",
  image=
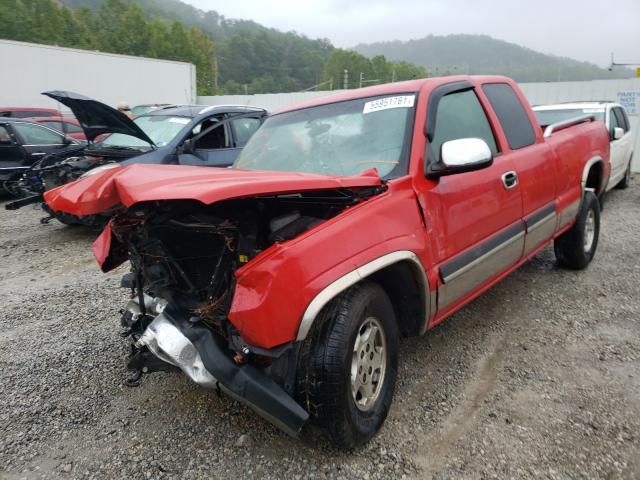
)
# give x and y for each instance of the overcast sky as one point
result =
(582, 29)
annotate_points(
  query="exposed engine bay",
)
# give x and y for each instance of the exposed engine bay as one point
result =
(183, 256)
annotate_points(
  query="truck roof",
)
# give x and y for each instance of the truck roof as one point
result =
(408, 86)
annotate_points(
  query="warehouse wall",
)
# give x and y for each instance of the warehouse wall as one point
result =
(625, 91)
(27, 69)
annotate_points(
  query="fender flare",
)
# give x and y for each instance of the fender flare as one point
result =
(585, 174)
(348, 280)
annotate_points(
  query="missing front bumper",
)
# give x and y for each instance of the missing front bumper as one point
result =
(196, 351)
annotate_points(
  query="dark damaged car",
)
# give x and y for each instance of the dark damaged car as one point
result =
(176, 135)
(345, 223)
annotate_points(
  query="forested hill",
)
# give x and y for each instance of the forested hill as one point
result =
(481, 54)
(247, 53)
(231, 56)
(237, 56)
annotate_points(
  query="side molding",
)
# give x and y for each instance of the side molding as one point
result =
(353, 277)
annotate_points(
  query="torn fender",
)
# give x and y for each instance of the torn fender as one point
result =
(133, 184)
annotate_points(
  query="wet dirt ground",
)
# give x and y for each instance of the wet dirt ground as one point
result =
(539, 377)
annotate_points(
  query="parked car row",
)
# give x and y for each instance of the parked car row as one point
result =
(182, 135)
(343, 224)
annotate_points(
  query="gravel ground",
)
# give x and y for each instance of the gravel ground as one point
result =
(539, 377)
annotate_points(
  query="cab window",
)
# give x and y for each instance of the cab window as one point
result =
(613, 120)
(54, 125)
(511, 114)
(460, 115)
(72, 128)
(215, 139)
(37, 135)
(244, 128)
(621, 119)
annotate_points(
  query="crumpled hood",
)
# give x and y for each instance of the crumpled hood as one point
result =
(133, 184)
(96, 118)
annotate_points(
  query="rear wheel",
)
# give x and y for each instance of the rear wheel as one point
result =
(348, 365)
(576, 247)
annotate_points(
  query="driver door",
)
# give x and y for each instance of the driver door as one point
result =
(214, 148)
(477, 215)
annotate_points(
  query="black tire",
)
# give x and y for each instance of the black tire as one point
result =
(602, 199)
(626, 180)
(324, 384)
(571, 247)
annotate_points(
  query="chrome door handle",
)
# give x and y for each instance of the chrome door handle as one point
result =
(38, 154)
(509, 179)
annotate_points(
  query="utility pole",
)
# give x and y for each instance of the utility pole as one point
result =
(331, 83)
(361, 79)
(393, 75)
(346, 79)
(246, 89)
(215, 73)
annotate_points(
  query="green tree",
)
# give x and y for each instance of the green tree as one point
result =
(355, 65)
(245, 56)
(406, 71)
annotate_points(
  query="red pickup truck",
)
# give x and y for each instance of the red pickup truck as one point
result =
(345, 223)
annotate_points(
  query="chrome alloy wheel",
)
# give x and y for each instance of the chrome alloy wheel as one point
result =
(368, 363)
(589, 231)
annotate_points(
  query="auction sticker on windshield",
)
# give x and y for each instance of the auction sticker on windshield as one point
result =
(401, 101)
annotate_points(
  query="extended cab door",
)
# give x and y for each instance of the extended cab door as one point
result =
(535, 163)
(473, 219)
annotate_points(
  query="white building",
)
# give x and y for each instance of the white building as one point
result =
(28, 69)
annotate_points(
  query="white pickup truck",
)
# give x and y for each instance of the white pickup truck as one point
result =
(615, 118)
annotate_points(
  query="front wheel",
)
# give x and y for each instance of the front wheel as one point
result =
(576, 247)
(348, 365)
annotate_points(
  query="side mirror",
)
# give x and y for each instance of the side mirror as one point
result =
(618, 133)
(188, 146)
(462, 155)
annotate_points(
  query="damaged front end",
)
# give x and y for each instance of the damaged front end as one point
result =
(184, 256)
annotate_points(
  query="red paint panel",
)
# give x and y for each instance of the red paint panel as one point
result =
(273, 290)
(143, 183)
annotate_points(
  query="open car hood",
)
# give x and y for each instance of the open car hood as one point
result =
(128, 185)
(97, 118)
